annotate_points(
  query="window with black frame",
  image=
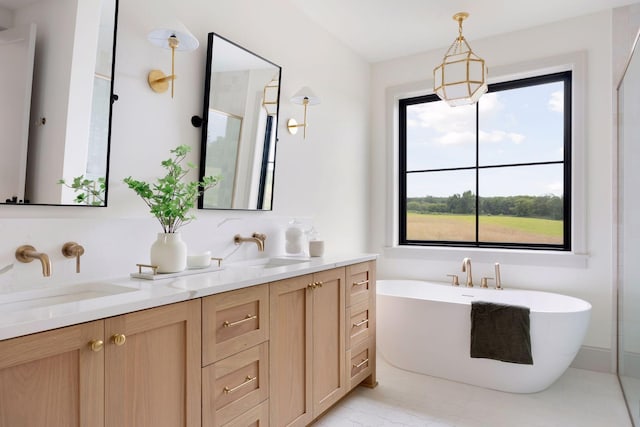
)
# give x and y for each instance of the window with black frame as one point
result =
(493, 174)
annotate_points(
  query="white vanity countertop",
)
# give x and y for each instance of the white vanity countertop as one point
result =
(146, 294)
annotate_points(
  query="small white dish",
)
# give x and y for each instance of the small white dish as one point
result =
(202, 260)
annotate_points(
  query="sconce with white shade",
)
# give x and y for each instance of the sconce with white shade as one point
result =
(176, 38)
(303, 97)
(461, 79)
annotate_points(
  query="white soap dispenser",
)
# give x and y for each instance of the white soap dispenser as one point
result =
(294, 235)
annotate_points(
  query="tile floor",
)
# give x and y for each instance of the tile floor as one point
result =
(579, 398)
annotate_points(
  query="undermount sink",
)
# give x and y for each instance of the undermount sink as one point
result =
(270, 262)
(54, 295)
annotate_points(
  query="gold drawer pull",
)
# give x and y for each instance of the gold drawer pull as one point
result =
(96, 345)
(247, 380)
(248, 317)
(360, 323)
(315, 285)
(118, 339)
(364, 282)
(361, 364)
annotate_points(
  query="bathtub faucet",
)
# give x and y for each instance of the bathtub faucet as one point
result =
(466, 268)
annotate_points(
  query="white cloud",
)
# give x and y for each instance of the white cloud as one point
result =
(555, 188)
(456, 125)
(442, 118)
(490, 103)
(516, 138)
(457, 138)
(556, 102)
(497, 136)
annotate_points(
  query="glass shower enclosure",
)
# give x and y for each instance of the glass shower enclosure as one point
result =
(628, 272)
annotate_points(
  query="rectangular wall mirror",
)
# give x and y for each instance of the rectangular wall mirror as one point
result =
(239, 129)
(55, 108)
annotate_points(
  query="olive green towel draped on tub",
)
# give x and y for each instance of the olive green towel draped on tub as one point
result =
(500, 332)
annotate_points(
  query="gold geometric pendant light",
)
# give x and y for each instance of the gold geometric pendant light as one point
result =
(461, 79)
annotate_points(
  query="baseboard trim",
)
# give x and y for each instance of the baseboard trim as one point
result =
(594, 359)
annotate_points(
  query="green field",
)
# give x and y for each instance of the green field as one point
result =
(505, 229)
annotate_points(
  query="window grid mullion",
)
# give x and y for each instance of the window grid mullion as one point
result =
(477, 174)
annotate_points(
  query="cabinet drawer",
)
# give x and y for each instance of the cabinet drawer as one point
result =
(360, 282)
(359, 324)
(232, 386)
(256, 417)
(234, 321)
(361, 360)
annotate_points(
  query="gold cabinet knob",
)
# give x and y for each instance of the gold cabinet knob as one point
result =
(96, 345)
(118, 339)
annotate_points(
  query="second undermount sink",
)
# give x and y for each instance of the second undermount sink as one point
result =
(270, 262)
(54, 295)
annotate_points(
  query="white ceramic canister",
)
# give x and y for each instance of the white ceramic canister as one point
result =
(169, 253)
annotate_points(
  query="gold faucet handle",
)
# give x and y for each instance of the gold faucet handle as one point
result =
(484, 281)
(454, 279)
(73, 250)
(25, 253)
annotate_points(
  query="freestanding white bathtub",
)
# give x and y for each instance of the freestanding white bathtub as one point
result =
(424, 327)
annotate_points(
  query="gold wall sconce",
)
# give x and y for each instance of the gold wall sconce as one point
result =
(461, 79)
(303, 97)
(179, 39)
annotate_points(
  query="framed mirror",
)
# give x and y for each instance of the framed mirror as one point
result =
(55, 111)
(239, 127)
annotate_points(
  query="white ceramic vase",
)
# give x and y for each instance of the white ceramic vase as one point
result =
(169, 253)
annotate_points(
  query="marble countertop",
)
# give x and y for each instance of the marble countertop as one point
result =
(143, 294)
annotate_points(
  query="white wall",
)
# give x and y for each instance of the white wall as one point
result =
(323, 178)
(591, 282)
(6, 18)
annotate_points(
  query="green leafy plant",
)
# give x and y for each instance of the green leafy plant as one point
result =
(171, 199)
(91, 192)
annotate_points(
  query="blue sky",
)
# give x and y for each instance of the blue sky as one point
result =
(516, 126)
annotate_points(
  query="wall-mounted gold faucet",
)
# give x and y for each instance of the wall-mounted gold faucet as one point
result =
(257, 238)
(73, 250)
(27, 253)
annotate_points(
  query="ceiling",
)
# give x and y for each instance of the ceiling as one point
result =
(383, 29)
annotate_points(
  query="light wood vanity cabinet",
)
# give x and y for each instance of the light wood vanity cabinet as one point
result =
(307, 346)
(153, 378)
(361, 324)
(53, 378)
(235, 357)
(276, 354)
(138, 369)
